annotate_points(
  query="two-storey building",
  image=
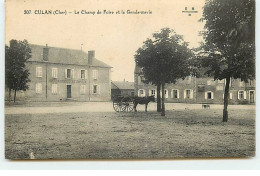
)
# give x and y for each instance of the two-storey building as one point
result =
(60, 74)
(199, 90)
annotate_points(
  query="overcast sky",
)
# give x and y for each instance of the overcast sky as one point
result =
(115, 38)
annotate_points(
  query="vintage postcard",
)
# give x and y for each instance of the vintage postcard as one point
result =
(129, 79)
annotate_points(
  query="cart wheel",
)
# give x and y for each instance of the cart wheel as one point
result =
(117, 106)
(127, 104)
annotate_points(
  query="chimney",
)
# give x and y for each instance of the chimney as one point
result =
(91, 56)
(46, 53)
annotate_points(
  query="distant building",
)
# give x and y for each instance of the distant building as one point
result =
(199, 90)
(123, 88)
(60, 74)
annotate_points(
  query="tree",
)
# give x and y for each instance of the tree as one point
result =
(164, 59)
(229, 47)
(16, 74)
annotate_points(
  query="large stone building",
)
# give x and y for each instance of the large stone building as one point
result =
(199, 90)
(60, 74)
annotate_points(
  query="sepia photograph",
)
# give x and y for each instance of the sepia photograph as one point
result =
(132, 79)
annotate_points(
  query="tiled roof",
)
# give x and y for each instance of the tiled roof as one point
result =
(122, 85)
(64, 56)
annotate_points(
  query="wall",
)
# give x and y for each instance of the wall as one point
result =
(103, 81)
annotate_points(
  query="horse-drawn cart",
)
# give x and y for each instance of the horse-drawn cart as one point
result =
(128, 104)
(123, 104)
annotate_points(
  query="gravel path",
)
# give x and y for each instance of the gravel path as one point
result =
(68, 107)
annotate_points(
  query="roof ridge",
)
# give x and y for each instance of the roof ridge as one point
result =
(59, 48)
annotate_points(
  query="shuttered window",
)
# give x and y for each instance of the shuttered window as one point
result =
(69, 73)
(209, 95)
(38, 88)
(241, 94)
(39, 72)
(54, 88)
(188, 94)
(54, 72)
(152, 92)
(175, 94)
(83, 74)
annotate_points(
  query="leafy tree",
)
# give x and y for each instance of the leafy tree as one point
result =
(16, 74)
(229, 47)
(164, 59)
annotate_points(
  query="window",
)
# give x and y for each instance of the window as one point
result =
(83, 89)
(209, 95)
(165, 93)
(54, 72)
(95, 74)
(54, 88)
(39, 72)
(94, 89)
(141, 93)
(192, 8)
(69, 73)
(188, 94)
(241, 95)
(132, 94)
(175, 93)
(83, 74)
(38, 88)
(152, 92)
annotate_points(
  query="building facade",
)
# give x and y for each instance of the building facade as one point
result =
(60, 74)
(199, 90)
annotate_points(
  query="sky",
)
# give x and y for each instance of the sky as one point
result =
(114, 37)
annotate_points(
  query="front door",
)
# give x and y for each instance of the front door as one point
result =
(68, 91)
(252, 96)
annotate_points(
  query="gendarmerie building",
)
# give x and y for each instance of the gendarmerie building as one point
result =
(198, 90)
(60, 74)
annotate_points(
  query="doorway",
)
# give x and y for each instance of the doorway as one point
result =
(68, 91)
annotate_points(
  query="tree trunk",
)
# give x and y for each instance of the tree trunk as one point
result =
(163, 106)
(10, 96)
(159, 106)
(225, 111)
(14, 95)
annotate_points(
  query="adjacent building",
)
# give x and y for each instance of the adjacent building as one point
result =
(199, 90)
(123, 88)
(61, 74)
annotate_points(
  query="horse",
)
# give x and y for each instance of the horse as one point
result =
(142, 100)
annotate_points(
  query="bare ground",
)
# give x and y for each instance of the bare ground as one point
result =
(110, 135)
